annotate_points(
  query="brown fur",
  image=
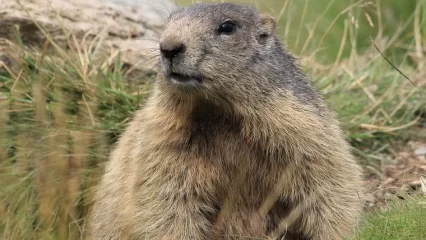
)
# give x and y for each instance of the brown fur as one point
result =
(250, 150)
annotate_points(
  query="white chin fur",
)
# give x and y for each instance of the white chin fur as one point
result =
(183, 81)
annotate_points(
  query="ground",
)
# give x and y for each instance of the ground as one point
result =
(405, 175)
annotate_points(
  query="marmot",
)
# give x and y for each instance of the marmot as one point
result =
(233, 143)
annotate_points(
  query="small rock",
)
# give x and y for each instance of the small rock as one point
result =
(420, 151)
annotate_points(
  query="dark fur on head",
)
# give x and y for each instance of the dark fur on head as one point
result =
(233, 143)
(252, 59)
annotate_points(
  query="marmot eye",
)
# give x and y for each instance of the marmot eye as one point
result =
(227, 27)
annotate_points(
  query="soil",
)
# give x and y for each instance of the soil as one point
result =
(406, 174)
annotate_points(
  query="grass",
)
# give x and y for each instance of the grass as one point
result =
(62, 109)
(60, 116)
(399, 220)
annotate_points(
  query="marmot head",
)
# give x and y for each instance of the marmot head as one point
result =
(218, 50)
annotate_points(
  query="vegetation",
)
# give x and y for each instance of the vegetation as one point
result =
(399, 220)
(60, 115)
(61, 112)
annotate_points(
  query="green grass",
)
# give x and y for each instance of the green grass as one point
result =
(399, 220)
(61, 112)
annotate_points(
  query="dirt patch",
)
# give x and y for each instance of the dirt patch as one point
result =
(406, 175)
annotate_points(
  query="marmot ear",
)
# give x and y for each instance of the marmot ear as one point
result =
(267, 27)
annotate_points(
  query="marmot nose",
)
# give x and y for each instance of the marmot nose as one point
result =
(171, 51)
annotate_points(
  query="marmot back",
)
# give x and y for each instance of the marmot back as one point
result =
(233, 143)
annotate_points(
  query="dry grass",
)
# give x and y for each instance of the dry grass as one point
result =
(57, 128)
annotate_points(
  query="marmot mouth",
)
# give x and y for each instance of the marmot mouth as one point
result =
(183, 78)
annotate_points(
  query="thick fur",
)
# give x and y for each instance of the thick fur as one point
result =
(250, 151)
